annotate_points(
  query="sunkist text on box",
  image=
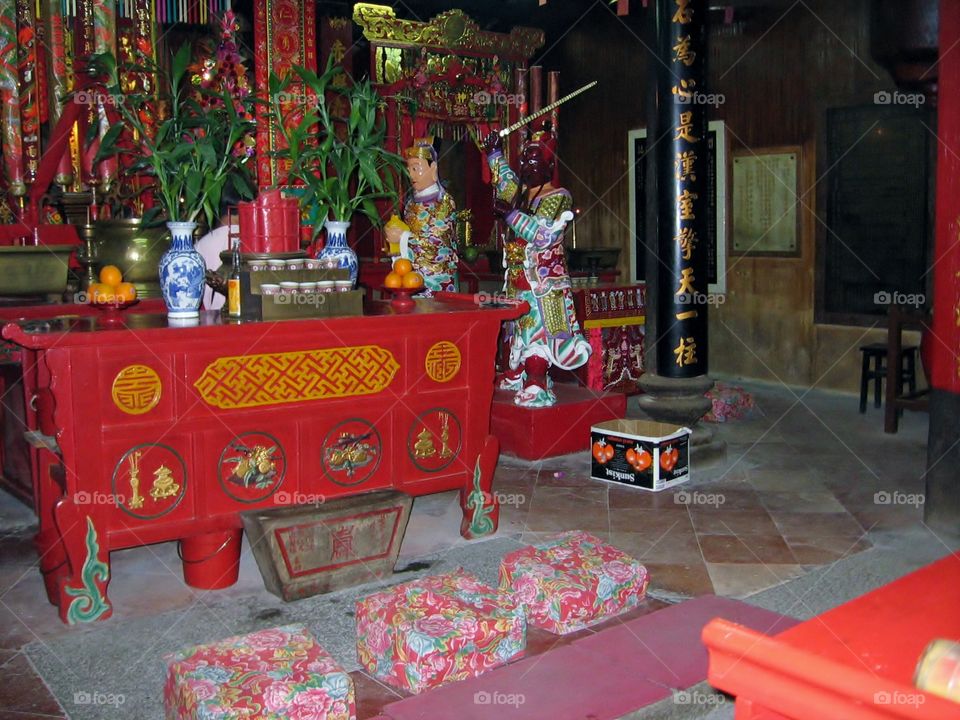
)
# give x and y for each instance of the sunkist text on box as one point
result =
(640, 453)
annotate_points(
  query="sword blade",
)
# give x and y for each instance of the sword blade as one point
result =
(543, 111)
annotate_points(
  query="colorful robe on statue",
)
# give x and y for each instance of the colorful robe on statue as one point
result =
(536, 271)
(432, 248)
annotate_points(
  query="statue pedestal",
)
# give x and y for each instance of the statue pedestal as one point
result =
(537, 433)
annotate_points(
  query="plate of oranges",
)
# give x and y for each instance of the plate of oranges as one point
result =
(112, 293)
(402, 282)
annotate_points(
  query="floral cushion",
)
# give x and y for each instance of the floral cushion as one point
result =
(437, 629)
(270, 674)
(728, 402)
(572, 581)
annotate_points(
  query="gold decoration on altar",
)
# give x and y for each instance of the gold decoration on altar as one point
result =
(164, 485)
(445, 451)
(136, 389)
(277, 378)
(435, 439)
(136, 499)
(258, 461)
(452, 30)
(956, 309)
(442, 362)
(350, 453)
(424, 446)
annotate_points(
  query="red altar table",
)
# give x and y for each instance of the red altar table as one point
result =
(19, 461)
(156, 433)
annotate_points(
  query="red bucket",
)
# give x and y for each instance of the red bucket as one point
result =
(211, 561)
(269, 224)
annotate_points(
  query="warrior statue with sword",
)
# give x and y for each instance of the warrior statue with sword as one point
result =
(536, 270)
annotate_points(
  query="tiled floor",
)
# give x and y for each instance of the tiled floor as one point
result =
(807, 480)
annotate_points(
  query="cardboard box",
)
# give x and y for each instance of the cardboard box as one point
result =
(615, 442)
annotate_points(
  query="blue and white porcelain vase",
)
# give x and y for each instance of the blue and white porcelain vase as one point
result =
(337, 250)
(182, 273)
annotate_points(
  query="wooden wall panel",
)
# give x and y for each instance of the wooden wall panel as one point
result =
(778, 71)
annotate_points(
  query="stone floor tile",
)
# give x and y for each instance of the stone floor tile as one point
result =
(801, 502)
(723, 521)
(824, 549)
(738, 580)
(875, 519)
(623, 496)
(674, 545)
(22, 692)
(679, 580)
(649, 522)
(750, 549)
(794, 479)
(816, 523)
(729, 496)
(563, 508)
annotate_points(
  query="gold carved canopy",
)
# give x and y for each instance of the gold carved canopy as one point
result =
(453, 31)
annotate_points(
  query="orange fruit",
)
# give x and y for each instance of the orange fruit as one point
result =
(111, 275)
(412, 280)
(393, 280)
(126, 292)
(402, 266)
(100, 292)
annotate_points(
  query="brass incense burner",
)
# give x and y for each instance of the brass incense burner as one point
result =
(133, 248)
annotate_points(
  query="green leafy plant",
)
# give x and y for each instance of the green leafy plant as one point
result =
(338, 164)
(191, 149)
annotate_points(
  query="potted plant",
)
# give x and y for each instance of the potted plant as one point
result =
(191, 140)
(335, 153)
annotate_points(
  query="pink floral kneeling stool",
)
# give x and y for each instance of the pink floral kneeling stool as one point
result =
(436, 630)
(572, 581)
(276, 674)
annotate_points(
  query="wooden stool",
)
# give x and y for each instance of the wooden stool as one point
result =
(874, 368)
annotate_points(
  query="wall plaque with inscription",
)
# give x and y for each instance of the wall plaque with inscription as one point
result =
(766, 202)
(308, 550)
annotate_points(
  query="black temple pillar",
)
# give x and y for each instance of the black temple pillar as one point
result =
(676, 210)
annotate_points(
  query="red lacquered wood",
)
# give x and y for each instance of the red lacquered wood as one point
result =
(194, 419)
(891, 625)
(945, 350)
(855, 661)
